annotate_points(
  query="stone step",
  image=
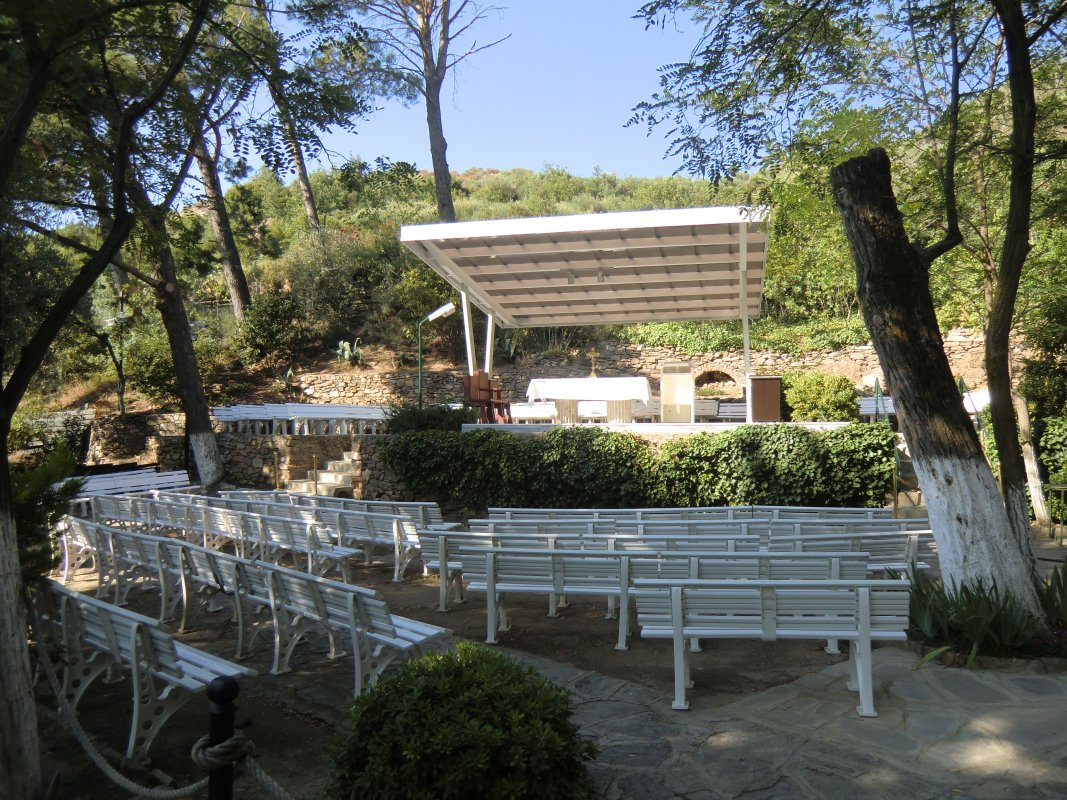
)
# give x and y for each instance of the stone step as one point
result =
(332, 478)
(340, 466)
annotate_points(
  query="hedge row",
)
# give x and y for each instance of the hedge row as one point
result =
(586, 467)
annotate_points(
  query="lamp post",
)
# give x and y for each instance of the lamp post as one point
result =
(437, 313)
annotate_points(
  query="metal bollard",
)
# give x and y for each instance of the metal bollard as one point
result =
(221, 691)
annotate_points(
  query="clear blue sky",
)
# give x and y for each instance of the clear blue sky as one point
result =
(558, 92)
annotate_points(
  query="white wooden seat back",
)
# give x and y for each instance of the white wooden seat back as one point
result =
(376, 637)
(500, 571)
(861, 612)
(363, 531)
(97, 636)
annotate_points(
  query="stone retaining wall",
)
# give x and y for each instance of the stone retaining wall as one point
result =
(263, 461)
(442, 382)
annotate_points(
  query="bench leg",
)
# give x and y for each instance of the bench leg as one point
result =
(612, 612)
(859, 660)
(681, 656)
(624, 625)
(833, 647)
(151, 710)
(443, 586)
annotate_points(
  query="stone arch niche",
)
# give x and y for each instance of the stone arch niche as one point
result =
(716, 379)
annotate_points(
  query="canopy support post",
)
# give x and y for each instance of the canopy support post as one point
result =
(490, 332)
(742, 262)
(468, 330)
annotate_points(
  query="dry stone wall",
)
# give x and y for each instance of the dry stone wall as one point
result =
(442, 382)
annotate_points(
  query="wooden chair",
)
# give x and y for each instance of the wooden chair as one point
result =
(482, 392)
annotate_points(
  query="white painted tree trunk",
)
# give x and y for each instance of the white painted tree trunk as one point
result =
(205, 449)
(974, 543)
(977, 542)
(1033, 472)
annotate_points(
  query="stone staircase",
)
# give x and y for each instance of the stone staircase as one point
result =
(340, 478)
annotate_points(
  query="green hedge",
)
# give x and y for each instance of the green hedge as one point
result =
(466, 724)
(590, 467)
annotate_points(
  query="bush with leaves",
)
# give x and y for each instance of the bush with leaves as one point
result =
(149, 365)
(468, 723)
(1054, 459)
(42, 494)
(587, 467)
(752, 464)
(820, 397)
(973, 619)
(859, 464)
(273, 329)
(402, 419)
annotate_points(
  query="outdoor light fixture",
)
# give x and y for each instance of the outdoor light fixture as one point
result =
(437, 313)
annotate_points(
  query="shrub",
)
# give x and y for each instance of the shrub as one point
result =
(272, 329)
(41, 495)
(149, 365)
(859, 464)
(752, 464)
(586, 466)
(974, 619)
(470, 723)
(818, 396)
(402, 419)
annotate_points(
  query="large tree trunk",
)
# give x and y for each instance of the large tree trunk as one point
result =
(968, 517)
(198, 429)
(442, 178)
(292, 141)
(240, 298)
(20, 766)
(1014, 250)
(434, 68)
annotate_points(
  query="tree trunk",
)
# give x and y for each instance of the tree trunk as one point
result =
(240, 298)
(1014, 250)
(442, 178)
(1033, 471)
(968, 517)
(202, 441)
(20, 766)
(292, 141)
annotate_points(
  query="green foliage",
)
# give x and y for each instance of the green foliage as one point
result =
(38, 504)
(973, 619)
(765, 334)
(1054, 448)
(818, 396)
(351, 353)
(859, 464)
(468, 723)
(149, 366)
(403, 419)
(588, 467)
(752, 464)
(1053, 596)
(1054, 459)
(271, 331)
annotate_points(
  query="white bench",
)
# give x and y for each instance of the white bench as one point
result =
(296, 419)
(377, 637)
(250, 534)
(500, 571)
(799, 513)
(129, 482)
(95, 637)
(861, 612)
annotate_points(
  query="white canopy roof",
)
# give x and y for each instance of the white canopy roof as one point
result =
(597, 269)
